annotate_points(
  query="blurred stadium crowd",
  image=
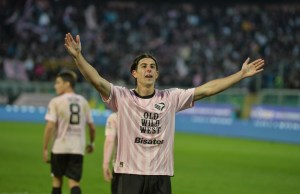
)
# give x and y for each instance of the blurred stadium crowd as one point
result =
(193, 43)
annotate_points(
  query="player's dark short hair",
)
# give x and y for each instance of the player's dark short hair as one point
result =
(68, 76)
(140, 57)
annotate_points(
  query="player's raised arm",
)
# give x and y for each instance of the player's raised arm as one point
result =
(73, 47)
(215, 86)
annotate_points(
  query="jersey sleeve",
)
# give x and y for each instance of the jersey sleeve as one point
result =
(51, 114)
(116, 92)
(183, 98)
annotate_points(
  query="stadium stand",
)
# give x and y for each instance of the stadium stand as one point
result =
(282, 97)
(33, 99)
(197, 42)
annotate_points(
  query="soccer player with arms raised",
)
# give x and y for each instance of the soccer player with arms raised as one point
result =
(146, 118)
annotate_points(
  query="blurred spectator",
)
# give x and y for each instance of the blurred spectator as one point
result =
(196, 42)
(14, 69)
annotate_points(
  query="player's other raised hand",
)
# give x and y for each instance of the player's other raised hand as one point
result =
(255, 67)
(72, 45)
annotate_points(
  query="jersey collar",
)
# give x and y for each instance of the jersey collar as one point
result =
(144, 97)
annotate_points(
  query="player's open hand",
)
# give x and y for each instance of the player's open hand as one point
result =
(107, 173)
(73, 46)
(250, 69)
(89, 148)
(45, 156)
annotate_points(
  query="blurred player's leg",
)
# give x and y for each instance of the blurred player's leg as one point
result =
(56, 185)
(56, 190)
(74, 187)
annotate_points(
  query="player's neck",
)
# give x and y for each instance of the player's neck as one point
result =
(144, 91)
(69, 91)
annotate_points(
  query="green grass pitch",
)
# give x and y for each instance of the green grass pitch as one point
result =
(203, 164)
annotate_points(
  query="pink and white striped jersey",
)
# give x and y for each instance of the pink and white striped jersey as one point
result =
(146, 129)
(71, 113)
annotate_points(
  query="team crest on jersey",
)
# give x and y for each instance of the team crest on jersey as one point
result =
(160, 106)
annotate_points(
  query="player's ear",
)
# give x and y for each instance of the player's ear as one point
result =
(156, 74)
(134, 73)
(68, 84)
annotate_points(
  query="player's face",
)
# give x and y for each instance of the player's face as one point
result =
(146, 72)
(60, 85)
